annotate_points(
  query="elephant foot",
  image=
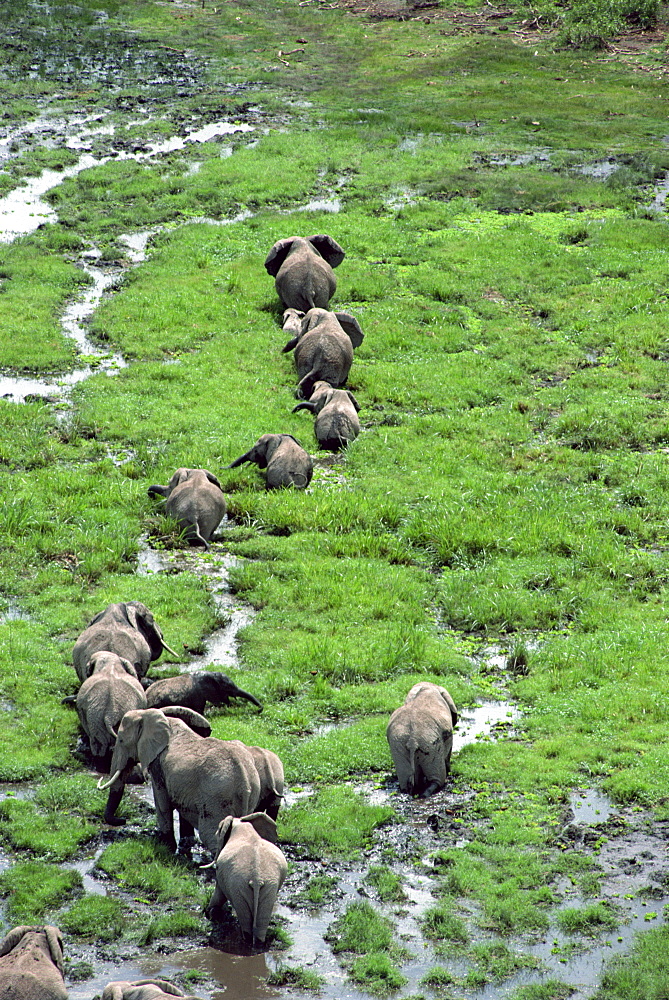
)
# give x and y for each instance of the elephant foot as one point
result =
(168, 840)
(431, 789)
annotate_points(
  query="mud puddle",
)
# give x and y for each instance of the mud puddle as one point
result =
(220, 648)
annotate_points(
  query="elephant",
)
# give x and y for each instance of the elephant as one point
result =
(303, 270)
(31, 964)
(270, 771)
(420, 735)
(126, 629)
(194, 691)
(205, 779)
(284, 458)
(336, 413)
(143, 989)
(250, 870)
(323, 347)
(195, 499)
(111, 690)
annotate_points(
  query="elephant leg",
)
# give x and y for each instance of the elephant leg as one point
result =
(430, 789)
(217, 902)
(186, 836)
(164, 817)
(113, 802)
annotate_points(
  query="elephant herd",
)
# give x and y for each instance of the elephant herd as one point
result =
(229, 792)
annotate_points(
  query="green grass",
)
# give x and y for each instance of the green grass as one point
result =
(642, 973)
(509, 483)
(296, 977)
(35, 889)
(589, 920)
(335, 819)
(100, 918)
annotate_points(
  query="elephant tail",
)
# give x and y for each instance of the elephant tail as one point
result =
(259, 933)
(198, 535)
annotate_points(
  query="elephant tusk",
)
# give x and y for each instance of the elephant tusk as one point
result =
(212, 864)
(102, 784)
(169, 650)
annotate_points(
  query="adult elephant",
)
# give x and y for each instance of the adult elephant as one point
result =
(31, 964)
(336, 412)
(111, 690)
(194, 498)
(284, 459)
(420, 736)
(323, 347)
(205, 779)
(195, 690)
(303, 270)
(270, 771)
(127, 629)
(143, 989)
(250, 870)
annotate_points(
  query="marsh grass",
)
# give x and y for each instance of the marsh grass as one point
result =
(178, 923)
(510, 477)
(296, 977)
(335, 819)
(92, 918)
(53, 835)
(35, 889)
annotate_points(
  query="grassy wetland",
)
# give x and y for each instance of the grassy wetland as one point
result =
(499, 526)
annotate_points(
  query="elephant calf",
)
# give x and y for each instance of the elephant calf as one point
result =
(143, 989)
(420, 735)
(285, 460)
(111, 690)
(323, 348)
(195, 499)
(31, 964)
(127, 629)
(302, 269)
(194, 691)
(336, 413)
(250, 870)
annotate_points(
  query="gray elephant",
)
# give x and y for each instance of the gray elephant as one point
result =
(284, 459)
(204, 779)
(111, 690)
(420, 735)
(31, 964)
(270, 771)
(143, 989)
(336, 412)
(250, 870)
(302, 269)
(323, 347)
(127, 629)
(195, 499)
(194, 691)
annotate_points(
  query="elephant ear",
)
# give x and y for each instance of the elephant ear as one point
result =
(55, 942)
(223, 833)
(277, 255)
(178, 477)
(355, 402)
(141, 618)
(328, 248)
(154, 736)
(350, 326)
(212, 479)
(193, 720)
(128, 667)
(163, 984)
(115, 991)
(451, 704)
(263, 825)
(10, 941)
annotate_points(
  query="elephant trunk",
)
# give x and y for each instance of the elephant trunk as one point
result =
(249, 697)
(158, 491)
(305, 405)
(246, 457)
